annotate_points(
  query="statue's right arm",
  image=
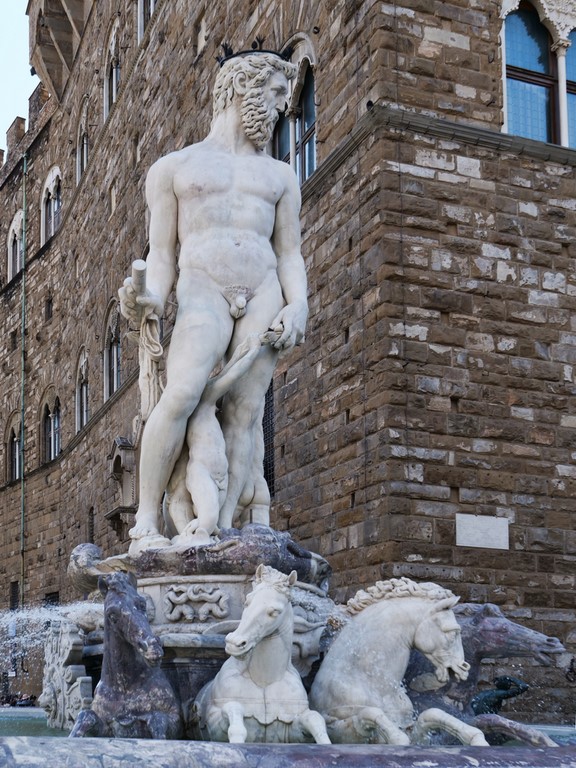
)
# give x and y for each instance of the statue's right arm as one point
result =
(163, 232)
(161, 261)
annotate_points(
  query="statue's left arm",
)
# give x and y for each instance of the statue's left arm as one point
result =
(291, 320)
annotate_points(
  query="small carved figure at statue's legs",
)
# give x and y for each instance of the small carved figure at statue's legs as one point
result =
(436, 719)
(207, 469)
(206, 497)
(237, 732)
(178, 509)
(199, 340)
(313, 723)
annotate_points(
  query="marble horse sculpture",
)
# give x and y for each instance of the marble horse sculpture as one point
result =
(133, 698)
(258, 696)
(486, 633)
(358, 688)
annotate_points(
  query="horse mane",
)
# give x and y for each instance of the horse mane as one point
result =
(273, 578)
(403, 587)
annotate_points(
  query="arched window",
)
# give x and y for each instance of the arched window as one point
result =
(531, 80)
(51, 431)
(82, 392)
(16, 245)
(112, 353)
(82, 142)
(14, 453)
(51, 213)
(571, 88)
(295, 134)
(145, 11)
(112, 69)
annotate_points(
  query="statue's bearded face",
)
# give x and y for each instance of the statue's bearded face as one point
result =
(261, 106)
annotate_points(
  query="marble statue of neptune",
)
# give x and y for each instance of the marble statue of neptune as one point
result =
(224, 224)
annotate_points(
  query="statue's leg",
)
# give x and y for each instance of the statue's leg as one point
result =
(436, 719)
(237, 732)
(313, 723)
(87, 724)
(199, 340)
(241, 424)
(243, 407)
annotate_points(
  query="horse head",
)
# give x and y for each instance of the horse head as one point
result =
(438, 637)
(267, 611)
(487, 632)
(125, 616)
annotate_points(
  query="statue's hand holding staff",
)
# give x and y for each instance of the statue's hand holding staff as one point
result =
(137, 303)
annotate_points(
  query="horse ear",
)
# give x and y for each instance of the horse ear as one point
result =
(131, 579)
(103, 585)
(293, 578)
(446, 603)
(259, 573)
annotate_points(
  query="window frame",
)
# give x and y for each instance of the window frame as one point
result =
(51, 206)
(112, 352)
(16, 238)
(558, 86)
(304, 58)
(82, 393)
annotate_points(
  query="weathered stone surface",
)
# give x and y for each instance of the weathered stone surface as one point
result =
(101, 753)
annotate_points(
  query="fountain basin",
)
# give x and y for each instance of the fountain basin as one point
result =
(26, 721)
(144, 753)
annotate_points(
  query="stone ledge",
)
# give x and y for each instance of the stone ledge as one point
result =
(18, 752)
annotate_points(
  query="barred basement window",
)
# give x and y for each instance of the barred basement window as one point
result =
(268, 430)
(91, 525)
(51, 598)
(14, 595)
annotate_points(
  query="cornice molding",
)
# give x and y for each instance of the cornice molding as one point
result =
(380, 117)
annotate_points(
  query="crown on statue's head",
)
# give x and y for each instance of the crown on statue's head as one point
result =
(255, 48)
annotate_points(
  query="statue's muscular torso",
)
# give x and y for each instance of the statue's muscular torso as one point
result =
(226, 209)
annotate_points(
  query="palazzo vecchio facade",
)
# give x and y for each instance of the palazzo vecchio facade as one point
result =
(427, 427)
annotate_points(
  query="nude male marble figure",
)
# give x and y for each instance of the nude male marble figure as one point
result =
(234, 212)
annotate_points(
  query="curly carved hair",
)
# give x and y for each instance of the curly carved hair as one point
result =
(257, 67)
(403, 587)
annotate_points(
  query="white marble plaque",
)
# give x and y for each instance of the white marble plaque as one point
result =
(482, 531)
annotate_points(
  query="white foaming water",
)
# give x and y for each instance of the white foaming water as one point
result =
(25, 629)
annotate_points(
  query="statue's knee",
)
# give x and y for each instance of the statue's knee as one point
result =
(179, 400)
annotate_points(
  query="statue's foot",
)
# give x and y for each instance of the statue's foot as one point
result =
(146, 538)
(197, 538)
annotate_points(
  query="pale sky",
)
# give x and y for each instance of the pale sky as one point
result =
(16, 83)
